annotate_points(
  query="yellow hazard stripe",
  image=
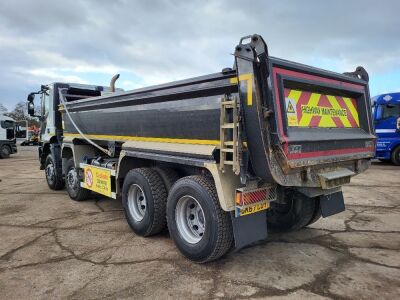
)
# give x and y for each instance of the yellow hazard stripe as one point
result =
(335, 104)
(248, 77)
(352, 109)
(306, 118)
(144, 139)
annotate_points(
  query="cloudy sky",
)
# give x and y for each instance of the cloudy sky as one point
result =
(151, 42)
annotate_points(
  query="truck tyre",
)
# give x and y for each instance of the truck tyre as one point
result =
(169, 176)
(395, 157)
(296, 213)
(73, 183)
(143, 200)
(53, 181)
(201, 230)
(317, 213)
(5, 151)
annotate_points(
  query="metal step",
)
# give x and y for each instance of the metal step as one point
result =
(228, 125)
(228, 150)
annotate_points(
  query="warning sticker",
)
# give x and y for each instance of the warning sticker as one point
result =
(98, 180)
(306, 109)
(291, 112)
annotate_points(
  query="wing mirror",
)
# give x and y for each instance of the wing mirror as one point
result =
(31, 108)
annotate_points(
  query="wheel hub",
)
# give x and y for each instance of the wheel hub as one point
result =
(190, 219)
(137, 203)
(50, 172)
(72, 179)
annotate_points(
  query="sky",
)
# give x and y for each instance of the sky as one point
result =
(151, 42)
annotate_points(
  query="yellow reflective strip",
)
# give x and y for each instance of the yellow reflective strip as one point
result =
(145, 139)
(249, 78)
(306, 118)
(352, 109)
(335, 104)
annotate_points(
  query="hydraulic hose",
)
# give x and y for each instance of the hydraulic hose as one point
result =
(62, 97)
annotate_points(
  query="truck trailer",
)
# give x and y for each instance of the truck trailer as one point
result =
(217, 159)
(8, 144)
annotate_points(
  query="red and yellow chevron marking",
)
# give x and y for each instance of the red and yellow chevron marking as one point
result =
(306, 109)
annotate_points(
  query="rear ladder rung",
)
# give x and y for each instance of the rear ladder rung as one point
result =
(228, 125)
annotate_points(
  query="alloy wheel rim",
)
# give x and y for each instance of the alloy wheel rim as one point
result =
(190, 220)
(137, 203)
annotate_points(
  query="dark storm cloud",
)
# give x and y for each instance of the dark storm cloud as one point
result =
(154, 41)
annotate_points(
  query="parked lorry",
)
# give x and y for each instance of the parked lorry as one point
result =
(8, 143)
(215, 158)
(387, 127)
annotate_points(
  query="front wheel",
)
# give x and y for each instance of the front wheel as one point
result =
(201, 230)
(5, 151)
(54, 181)
(73, 183)
(395, 157)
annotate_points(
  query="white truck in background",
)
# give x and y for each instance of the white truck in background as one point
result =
(8, 143)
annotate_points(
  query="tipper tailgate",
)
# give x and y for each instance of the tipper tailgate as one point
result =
(322, 117)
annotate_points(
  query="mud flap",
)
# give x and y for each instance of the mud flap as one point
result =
(332, 204)
(249, 229)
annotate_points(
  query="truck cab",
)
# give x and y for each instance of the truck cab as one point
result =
(51, 125)
(387, 127)
(8, 143)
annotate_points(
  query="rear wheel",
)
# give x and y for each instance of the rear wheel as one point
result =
(73, 183)
(5, 151)
(144, 200)
(297, 212)
(54, 181)
(201, 230)
(395, 157)
(317, 213)
(169, 176)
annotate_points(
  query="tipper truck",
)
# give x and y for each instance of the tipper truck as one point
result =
(8, 143)
(216, 159)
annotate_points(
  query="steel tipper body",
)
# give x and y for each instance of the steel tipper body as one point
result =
(387, 126)
(223, 155)
(8, 144)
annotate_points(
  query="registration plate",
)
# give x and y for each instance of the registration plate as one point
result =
(251, 209)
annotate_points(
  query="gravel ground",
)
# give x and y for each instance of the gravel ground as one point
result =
(52, 247)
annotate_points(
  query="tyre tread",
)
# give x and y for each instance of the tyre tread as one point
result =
(59, 182)
(224, 232)
(159, 195)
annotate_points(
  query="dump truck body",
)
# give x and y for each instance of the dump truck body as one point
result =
(266, 134)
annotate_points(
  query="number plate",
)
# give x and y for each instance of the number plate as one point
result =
(251, 209)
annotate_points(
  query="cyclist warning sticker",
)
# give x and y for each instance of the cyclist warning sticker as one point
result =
(89, 177)
(291, 112)
(98, 180)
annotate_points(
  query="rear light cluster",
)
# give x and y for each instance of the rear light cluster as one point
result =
(248, 197)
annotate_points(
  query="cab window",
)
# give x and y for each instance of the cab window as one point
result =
(7, 124)
(389, 111)
(45, 104)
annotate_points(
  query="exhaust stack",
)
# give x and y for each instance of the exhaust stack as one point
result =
(112, 82)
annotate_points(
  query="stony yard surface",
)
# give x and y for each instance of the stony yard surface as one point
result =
(52, 247)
